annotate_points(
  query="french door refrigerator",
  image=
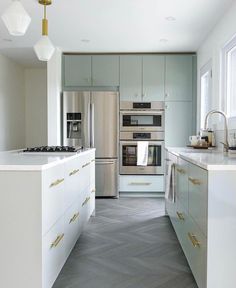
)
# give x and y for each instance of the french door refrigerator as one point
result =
(90, 119)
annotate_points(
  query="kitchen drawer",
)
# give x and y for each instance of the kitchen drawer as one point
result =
(85, 163)
(198, 196)
(182, 183)
(92, 199)
(73, 226)
(53, 253)
(86, 204)
(181, 218)
(196, 251)
(53, 188)
(133, 183)
(74, 178)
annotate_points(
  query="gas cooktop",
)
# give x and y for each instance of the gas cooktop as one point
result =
(53, 149)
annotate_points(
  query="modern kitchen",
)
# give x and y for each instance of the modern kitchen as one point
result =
(118, 144)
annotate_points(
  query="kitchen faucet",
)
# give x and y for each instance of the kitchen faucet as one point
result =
(226, 143)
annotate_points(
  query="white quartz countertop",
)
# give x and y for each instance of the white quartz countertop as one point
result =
(17, 160)
(206, 159)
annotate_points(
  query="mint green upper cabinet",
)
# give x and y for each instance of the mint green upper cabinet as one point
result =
(153, 77)
(105, 70)
(179, 78)
(131, 78)
(77, 70)
(178, 123)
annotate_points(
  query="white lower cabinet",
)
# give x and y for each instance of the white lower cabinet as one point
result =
(51, 206)
(188, 215)
(141, 183)
(53, 253)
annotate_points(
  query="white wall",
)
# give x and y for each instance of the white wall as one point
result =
(54, 98)
(35, 107)
(12, 105)
(211, 49)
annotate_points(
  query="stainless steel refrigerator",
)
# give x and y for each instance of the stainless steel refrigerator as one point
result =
(90, 119)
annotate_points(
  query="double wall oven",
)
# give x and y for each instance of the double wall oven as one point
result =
(141, 122)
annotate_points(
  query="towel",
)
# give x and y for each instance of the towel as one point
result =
(170, 183)
(142, 153)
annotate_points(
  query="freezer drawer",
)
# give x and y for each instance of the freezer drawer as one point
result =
(106, 178)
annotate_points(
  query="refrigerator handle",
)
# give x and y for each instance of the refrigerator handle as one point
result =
(92, 125)
(88, 127)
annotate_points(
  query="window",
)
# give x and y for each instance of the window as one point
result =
(206, 88)
(229, 73)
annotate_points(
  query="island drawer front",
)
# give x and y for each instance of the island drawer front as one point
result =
(198, 200)
(73, 226)
(53, 253)
(85, 170)
(92, 197)
(74, 178)
(196, 251)
(182, 182)
(141, 183)
(85, 206)
(180, 225)
(53, 189)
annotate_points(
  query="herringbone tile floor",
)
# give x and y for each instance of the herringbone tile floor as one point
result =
(129, 244)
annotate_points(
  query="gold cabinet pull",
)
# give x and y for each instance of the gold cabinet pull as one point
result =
(180, 216)
(57, 241)
(86, 201)
(140, 183)
(194, 240)
(93, 160)
(57, 182)
(74, 172)
(181, 171)
(75, 216)
(93, 190)
(86, 165)
(194, 181)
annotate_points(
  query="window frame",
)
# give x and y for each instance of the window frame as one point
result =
(224, 76)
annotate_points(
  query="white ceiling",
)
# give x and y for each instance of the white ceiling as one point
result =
(115, 26)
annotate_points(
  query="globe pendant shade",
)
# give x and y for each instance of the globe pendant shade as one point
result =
(44, 48)
(16, 19)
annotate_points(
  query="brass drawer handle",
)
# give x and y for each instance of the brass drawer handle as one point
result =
(57, 182)
(57, 241)
(86, 165)
(86, 201)
(181, 171)
(140, 183)
(93, 190)
(74, 172)
(180, 216)
(93, 160)
(75, 216)
(194, 181)
(194, 240)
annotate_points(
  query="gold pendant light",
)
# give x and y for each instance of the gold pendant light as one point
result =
(44, 48)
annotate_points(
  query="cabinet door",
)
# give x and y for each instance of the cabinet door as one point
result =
(153, 78)
(105, 70)
(131, 78)
(179, 78)
(178, 123)
(77, 70)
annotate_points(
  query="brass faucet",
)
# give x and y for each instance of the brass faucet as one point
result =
(226, 143)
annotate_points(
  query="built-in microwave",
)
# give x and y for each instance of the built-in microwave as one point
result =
(142, 120)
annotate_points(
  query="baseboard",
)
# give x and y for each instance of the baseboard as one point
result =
(143, 194)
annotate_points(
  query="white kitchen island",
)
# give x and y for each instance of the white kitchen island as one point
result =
(45, 201)
(204, 213)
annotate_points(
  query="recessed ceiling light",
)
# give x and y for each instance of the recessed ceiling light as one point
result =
(85, 40)
(7, 40)
(164, 40)
(170, 18)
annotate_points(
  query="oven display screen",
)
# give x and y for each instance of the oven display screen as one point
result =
(129, 155)
(142, 120)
